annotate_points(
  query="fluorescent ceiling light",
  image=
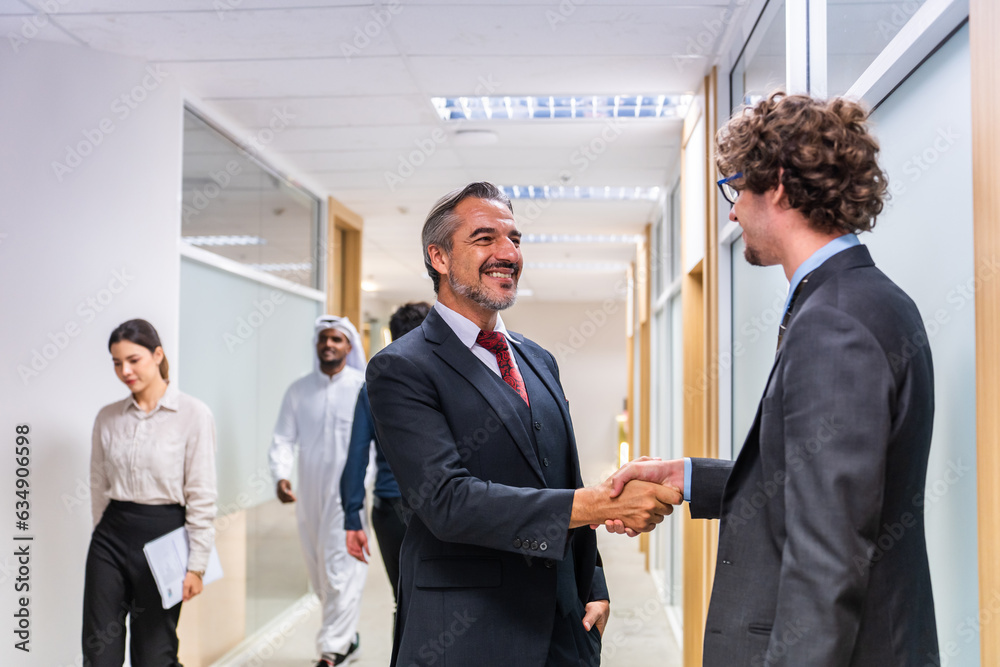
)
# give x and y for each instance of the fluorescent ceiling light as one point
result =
(583, 238)
(576, 192)
(368, 286)
(588, 267)
(223, 240)
(550, 106)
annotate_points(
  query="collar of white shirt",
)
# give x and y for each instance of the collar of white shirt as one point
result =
(466, 330)
(168, 401)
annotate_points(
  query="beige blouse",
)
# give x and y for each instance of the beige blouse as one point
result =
(161, 458)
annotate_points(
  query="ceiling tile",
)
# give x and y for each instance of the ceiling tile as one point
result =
(255, 35)
(295, 78)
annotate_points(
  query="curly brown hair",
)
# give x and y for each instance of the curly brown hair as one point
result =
(821, 151)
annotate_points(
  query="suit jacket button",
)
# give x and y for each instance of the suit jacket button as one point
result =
(538, 426)
(517, 543)
(545, 462)
(543, 546)
(549, 563)
(534, 545)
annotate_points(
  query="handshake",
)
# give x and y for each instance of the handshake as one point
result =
(634, 499)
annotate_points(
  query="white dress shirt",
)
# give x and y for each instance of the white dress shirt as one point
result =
(165, 457)
(467, 332)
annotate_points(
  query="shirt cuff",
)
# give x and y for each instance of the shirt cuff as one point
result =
(687, 479)
(352, 521)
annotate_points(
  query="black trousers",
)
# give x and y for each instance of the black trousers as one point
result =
(389, 519)
(119, 583)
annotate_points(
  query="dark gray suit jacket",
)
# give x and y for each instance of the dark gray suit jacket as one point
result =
(822, 557)
(477, 573)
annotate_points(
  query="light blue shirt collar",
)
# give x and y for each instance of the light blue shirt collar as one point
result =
(815, 260)
(466, 330)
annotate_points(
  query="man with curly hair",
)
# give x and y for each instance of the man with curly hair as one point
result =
(822, 556)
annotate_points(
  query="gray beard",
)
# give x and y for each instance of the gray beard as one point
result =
(480, 296)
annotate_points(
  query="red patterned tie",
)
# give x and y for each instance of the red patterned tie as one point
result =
(495, 343)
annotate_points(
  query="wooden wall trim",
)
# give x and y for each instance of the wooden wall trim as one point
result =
(984, 25)
(699, 306)
(343, 262)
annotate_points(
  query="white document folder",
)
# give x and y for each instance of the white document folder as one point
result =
(167, 557)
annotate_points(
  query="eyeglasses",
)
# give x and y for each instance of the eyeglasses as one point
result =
(728, 191)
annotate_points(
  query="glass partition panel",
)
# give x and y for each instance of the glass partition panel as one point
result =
(760, 69)
(235, 207)
(758, 302)
(924, 242)
(857, 32)
(676, 441)
(241, 344)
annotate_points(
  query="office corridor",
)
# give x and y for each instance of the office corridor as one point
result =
(638, 632)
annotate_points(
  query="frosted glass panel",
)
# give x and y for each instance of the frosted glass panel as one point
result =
(758, 301)
(676, 439)
(241, 344)
(924, 243)
(857, 32)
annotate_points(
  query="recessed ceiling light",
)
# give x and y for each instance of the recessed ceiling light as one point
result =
(577, 192)
(581, 107)
(625, 239)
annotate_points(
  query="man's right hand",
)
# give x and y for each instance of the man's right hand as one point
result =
(357, 545)
(670, 473)
(639, 507)
(285, 494)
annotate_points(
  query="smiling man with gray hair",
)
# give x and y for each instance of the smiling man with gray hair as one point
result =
(498, 565)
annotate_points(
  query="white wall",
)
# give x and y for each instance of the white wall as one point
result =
(104, 231)
(588, 342)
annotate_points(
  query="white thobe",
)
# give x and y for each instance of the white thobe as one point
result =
(316, 415)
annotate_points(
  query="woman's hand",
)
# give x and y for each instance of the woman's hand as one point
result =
(193, 585)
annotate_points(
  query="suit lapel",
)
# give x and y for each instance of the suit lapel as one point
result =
(530, 353)
(451, 350)
(852, 258)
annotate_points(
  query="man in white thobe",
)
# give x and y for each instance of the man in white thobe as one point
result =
(316, 415)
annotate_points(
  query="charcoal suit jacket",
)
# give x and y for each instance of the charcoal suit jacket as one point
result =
(822, 558)
(478, 562)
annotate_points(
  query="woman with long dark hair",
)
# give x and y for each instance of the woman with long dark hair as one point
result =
(152, 471)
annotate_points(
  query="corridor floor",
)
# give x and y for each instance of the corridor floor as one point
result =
(637, 635)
